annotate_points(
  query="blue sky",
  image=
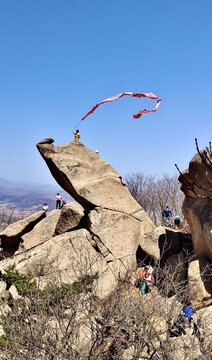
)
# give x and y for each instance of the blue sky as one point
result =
(58, 58)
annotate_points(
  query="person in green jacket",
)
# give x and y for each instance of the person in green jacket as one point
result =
(177, 220)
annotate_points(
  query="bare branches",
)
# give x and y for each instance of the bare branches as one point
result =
(59, 324)
(195, 181)
(155, 194)
(8, 216)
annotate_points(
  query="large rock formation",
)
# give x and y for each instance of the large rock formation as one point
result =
(197, 207)
(65, 258)
(105, 234)
(100, 232)
(105, 230)
(87, 177)
(199, 281)
(115, 220)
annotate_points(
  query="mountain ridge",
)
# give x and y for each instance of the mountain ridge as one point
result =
(29, 196)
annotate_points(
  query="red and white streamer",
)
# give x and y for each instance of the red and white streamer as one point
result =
(137, 95)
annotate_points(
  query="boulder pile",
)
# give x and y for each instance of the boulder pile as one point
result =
(104, 236)
(105, 230)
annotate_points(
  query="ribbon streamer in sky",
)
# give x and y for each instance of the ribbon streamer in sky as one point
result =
(138, 95)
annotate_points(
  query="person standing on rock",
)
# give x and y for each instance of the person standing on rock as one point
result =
(141, 281)
(58, 201)
(45, 208)
(168, 215)
(177, 221)
(76, 135)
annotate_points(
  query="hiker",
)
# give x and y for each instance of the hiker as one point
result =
(179, 324)
(182, 321)
(140, 282)
(76, 135)
(149, 280)
(58, 201)
(145, 280)
(45, 208)
(188, 311)
(168, 216)
(177, 221)
(178, 327)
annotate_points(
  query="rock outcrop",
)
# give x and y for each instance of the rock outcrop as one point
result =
(78, 257)
(106, 220)
(65, 258)
(199, 282)
(115, 220)
(105, 230)
(102, 231)
(197, 206)
(89, 179)
(13, 233)
(70, 217)
(43, 231)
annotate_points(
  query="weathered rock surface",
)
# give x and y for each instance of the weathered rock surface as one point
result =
(120, 233)
(150, 241)
(65, 258)
(70, 217)
(198, 213)
(172, 242)
(12, 234)
(108, 233)
(57, 252)
(43, 231)
(101, 232)
(3, 286)
(197, 179)
(199, 282)
(89, 179)
(197, 206)
(115, 220)
(14, 293)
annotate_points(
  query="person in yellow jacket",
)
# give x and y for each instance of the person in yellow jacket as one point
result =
(76, 135)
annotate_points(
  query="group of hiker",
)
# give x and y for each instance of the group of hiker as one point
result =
(183, 321)
(59, 203)
(167, 216)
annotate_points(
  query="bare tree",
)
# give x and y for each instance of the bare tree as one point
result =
(9, 216)
(155, 194)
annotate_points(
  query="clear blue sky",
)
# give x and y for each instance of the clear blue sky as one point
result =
(60, 57)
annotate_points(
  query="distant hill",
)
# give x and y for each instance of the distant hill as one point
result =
(29, 196)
